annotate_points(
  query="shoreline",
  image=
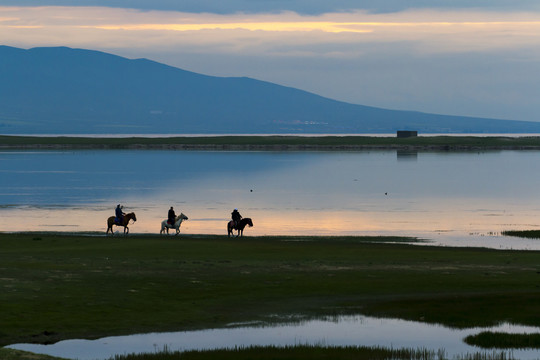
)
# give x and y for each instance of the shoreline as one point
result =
(273, 143)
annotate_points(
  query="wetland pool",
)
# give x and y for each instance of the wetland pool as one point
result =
(335, 331)
(450, 198)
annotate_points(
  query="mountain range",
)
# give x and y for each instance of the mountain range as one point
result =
(60, 90)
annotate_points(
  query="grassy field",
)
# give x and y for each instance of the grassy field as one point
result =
(279, 142)
(498, 340)
(70, 286)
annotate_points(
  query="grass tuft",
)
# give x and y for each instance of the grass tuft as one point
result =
(307, 352)
(500, 340)
(529, 234)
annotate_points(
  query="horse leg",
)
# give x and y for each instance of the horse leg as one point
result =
(163, 228)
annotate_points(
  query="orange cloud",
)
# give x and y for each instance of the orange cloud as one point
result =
(429, 31)
(333, 27)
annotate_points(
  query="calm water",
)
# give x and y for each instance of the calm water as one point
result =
(342, 331)
(451, 198)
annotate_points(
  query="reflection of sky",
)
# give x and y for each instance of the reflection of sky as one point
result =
(372, 192)
(342, 331)
(89, 176)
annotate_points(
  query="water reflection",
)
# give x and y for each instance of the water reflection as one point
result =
(405, 155)
(452, 198)
(339, 331)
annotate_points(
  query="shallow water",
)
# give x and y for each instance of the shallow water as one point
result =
(452, 198)
(338, 331)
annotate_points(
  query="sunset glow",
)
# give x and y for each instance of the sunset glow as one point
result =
(262, 26)
(110, 27)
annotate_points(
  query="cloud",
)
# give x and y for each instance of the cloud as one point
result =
(428, 31)
(308, 7)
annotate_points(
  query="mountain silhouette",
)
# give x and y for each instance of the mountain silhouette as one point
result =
(60, 90)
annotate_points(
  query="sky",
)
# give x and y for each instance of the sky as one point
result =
(457, 57)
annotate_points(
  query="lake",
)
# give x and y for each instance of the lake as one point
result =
(451, 198)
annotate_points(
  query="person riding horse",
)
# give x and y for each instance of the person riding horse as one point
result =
(171, 216)
(236, 217)
(119, 219)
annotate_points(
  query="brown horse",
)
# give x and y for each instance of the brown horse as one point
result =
(127, 218)
(240, 228)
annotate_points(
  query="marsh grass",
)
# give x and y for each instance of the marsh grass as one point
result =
(273, 142)
(301, 352)
(500, 340)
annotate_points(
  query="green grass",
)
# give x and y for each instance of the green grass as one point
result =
(499, 340)
(58, 286)
(281, 142)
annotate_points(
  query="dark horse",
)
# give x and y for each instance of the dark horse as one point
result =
(127, 217)
(240, 228)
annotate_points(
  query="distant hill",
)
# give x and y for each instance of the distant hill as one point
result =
(70, 91)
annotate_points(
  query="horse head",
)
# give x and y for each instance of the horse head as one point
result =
(182, 216)
(132, 215)
(249, 222)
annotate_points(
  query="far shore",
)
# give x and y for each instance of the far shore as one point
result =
(275, 143)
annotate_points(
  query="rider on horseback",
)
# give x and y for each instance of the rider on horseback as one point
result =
(236, 217)
(119, 215)
(171, 216)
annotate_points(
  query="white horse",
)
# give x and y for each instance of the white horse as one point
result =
(177, 222)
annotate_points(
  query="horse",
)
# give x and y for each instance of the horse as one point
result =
(125, 222)
(177, 222)
(240, 228)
